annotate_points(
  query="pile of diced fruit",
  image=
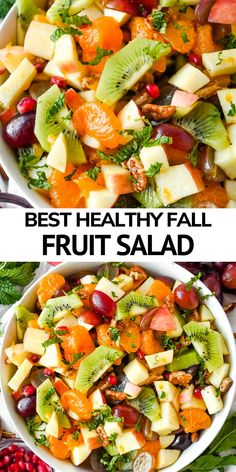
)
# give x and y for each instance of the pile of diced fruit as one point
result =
(118, 367)
(126, 103)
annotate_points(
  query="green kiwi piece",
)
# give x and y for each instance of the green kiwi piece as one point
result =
(23, 316)
(133, 305)
(65, 8)
(26, 10)
(47, 401)
(45, 126)
(127, 66)
(205, 125)
(94, 366)
(56, 308)
(184, 360)
(76, 154)
(149, 198)
(147, 404)
(125, 462)
(207, 343)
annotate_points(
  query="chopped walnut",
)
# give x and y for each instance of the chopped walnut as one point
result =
(229, 308)
(225, 385)
(136, 275)
(195, 316)
(170, 303)
(103, 436)
(138, 173)
(153, 377)
(142, 98)
(158, 112)
(208, 90)
(195, 437)
(184, 341)
(180, 378)
(116, 396)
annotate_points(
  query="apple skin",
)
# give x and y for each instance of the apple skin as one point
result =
(223, 12)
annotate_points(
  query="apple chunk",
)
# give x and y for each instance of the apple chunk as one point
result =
(101, 199)
(17, 83)
(178, 182)
(117, 179)
(66, 56)
(57, 157)
(12, 56)
(38, 40)
(129, 117)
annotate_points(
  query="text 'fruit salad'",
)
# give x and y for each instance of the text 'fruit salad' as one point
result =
(126, 103)
(118, 367)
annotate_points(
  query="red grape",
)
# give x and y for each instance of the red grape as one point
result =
(125, 6)
(229, 276)
(186, 299)
(219, 266)
(26, 406)
(102, 304)
(130, 415)
(181, 139)
(19, 132)
(90, 317)
(213, 282)
(147, 319)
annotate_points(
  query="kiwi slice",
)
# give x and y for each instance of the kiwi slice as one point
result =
(149, 198)
(207, 343)
(47, 122)
(125, 462)
(65, 8)
(26, 10)
(94, 366)
(146, 403)
(133, 305)
(23, 316)
(126, 67)
(76, 154)
(205, 125)
(56, 308)
(184, 360)
(47, 401)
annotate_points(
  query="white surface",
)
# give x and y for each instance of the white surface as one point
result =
(207, 436)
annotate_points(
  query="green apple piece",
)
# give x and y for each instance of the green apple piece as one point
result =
(160, 358)
(219, 375)
(52, 427)
(128, 441)
(189, 78)
(21, 375)
(17, 83)
(166, 441)
(169, 420)
(227, 99)
(47, 402)
(52, 357)
(179, 326)
(38, 40)
(166, 457)
(136, 372)
(79, 454)
(109, 288)
(16, 354)
(226, 160)
(120, 16)
(23, 316)
(57, 157)
(224, 347)
(205, 313)
(220, 62)
(33, 340)
(184, 360)
(212, 400)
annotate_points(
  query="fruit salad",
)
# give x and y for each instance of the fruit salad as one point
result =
(125, 103)
(118, 366)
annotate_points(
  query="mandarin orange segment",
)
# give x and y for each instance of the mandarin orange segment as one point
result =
(140, 27)
(214, 193)
(78, 403)
(149, 344)
(181, 35)
(104, 336)
(104, 33)
(130, 338)
(78, 340)
(159, 290)
(86, 185)
(194, 419)
(153, 447)
(99, 121)
(72, 443)
(48, 286)
(58, 447)
(65, 193)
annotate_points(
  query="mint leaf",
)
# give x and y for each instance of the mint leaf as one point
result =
(40, 182)
(226, 438)
(159, 21)
(20, 275)
(5, 6)
(77, 20)
(8, 292)
(56, 107)
(93, 173)
(154, 169)
(189, 285)
(59, 32)
(100, 54)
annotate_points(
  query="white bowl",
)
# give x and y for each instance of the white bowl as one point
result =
(8, 156)
(171, 270)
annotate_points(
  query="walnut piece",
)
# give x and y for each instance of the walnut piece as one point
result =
(103, 436)
(225, 385)
(158, 112)
(180, 378)
(116, 396)
(138, 173)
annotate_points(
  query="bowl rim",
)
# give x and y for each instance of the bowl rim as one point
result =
(196, 449)
(34, 197)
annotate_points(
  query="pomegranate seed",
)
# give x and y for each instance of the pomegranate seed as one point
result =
(19, 454)
(42, 468)
(59, 81)
(1, 465)
(27, 457)
(13, 448)
(140, 354)
(48, 372)
(167, 375)
(14, 468)
(195, 59)
(29, 467)
(197, 393)
(112, 379)
(6, 460)
(28, 390)
(34, 358)
(26, 105)
(152, 90)
(178, 346)
(63, 328)
(39, 67)
(35, 459)
(21, 465)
